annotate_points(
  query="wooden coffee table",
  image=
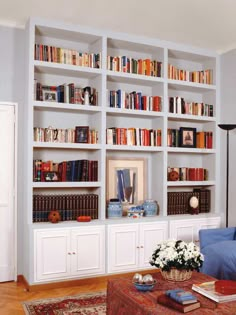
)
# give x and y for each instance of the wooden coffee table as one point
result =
(124, 299)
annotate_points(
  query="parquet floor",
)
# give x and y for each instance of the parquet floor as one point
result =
(12, 294)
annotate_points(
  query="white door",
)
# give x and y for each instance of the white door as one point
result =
(7, 193)
(88, 251)
(150, 235)
(123, 247)
(53, 255)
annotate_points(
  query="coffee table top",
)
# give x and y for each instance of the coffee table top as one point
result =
(124, 299)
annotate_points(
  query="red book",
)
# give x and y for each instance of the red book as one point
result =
(184, 308)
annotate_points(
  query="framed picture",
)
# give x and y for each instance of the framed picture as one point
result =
(126, 179)
(51, 176)
(82, 134)
(187, 137)
(49, 96)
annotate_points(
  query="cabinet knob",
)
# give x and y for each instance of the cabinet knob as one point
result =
(73, 253)
(137, 246)
(69, 253)
(141, 246)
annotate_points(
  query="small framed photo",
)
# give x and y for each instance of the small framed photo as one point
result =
(51, 176)
(49, 96)
(187, 137)
(82, 134)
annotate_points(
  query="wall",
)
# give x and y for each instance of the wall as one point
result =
(228, 115)
(12, 89)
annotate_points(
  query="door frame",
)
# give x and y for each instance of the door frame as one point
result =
(15, 107)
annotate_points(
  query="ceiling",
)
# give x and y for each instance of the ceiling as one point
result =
(208, 24)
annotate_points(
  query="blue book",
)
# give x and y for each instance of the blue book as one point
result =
(181, 296)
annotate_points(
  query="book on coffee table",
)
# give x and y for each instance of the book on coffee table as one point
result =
(214, 290)
(169, 302)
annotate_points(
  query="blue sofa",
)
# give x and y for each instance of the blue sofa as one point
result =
(219, 249)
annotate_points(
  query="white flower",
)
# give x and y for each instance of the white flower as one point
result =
(178, 254)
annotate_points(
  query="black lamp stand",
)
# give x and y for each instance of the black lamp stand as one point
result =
(227, 127)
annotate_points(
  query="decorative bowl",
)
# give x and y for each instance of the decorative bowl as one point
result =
(144, 286)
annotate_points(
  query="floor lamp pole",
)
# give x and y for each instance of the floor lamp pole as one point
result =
(227, 180)
(227, 127)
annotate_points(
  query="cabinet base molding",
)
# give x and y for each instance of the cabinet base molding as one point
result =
(77, 282)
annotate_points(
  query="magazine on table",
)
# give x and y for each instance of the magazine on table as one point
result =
(208, 289)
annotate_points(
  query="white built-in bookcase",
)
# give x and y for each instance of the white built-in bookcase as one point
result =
(44, 114)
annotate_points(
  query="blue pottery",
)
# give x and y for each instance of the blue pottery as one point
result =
(114, 209)
(150, 208)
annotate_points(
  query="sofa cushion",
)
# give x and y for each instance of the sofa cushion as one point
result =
(220, 260)
(211, 236)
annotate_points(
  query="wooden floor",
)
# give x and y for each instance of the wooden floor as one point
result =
(12, 295)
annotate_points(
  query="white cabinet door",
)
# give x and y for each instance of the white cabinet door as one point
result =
(88, 251)
(52, 260)
(187, 230)
(122, 247)
(184, 230)
(149, 235)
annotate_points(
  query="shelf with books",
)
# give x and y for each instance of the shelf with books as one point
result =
(65, 69)
(59, 107)
(66, 184)
(70, 146)
(191, 118)
(110, 147)
(190, 150)
(191, 183)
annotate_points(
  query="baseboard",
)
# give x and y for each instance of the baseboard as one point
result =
(76, 282)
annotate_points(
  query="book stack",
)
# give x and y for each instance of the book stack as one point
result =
(180, 300)
(219, 291)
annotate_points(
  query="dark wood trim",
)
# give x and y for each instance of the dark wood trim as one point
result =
(77, 282)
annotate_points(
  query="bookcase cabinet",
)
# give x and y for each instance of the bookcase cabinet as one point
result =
(149, 76)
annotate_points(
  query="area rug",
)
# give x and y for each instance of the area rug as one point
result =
(83, 304)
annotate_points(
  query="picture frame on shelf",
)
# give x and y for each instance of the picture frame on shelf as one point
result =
(126, 179)
(49, 96)
(187, 137)
(82, 134)
(51, 176)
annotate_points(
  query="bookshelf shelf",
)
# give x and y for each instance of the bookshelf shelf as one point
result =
(148, 82)
(66, 184)
(42, 105)
(191, 151)
(191, 183)
(133, 148)
(65, 69)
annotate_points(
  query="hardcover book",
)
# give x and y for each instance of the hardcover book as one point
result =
(167, 301)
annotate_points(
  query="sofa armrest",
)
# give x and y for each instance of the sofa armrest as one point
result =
(212, 236)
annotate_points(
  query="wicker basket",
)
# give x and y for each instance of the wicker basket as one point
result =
(176, 275)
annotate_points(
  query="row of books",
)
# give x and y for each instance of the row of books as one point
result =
(137, 66)
(66, 171)
(134, 100)
(65, 135)
(201, 140)
(178, 105)
(66, 93)
(203, 76)
(133, 136)
(187, 174)
(178, 202)
(67, 56)
(70, 206)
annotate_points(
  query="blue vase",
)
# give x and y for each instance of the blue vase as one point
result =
(150, 207)
(114, 209)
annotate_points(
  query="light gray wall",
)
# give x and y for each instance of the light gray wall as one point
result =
(228, 116)
(12, 89)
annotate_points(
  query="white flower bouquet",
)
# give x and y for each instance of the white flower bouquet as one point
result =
(177, 254)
